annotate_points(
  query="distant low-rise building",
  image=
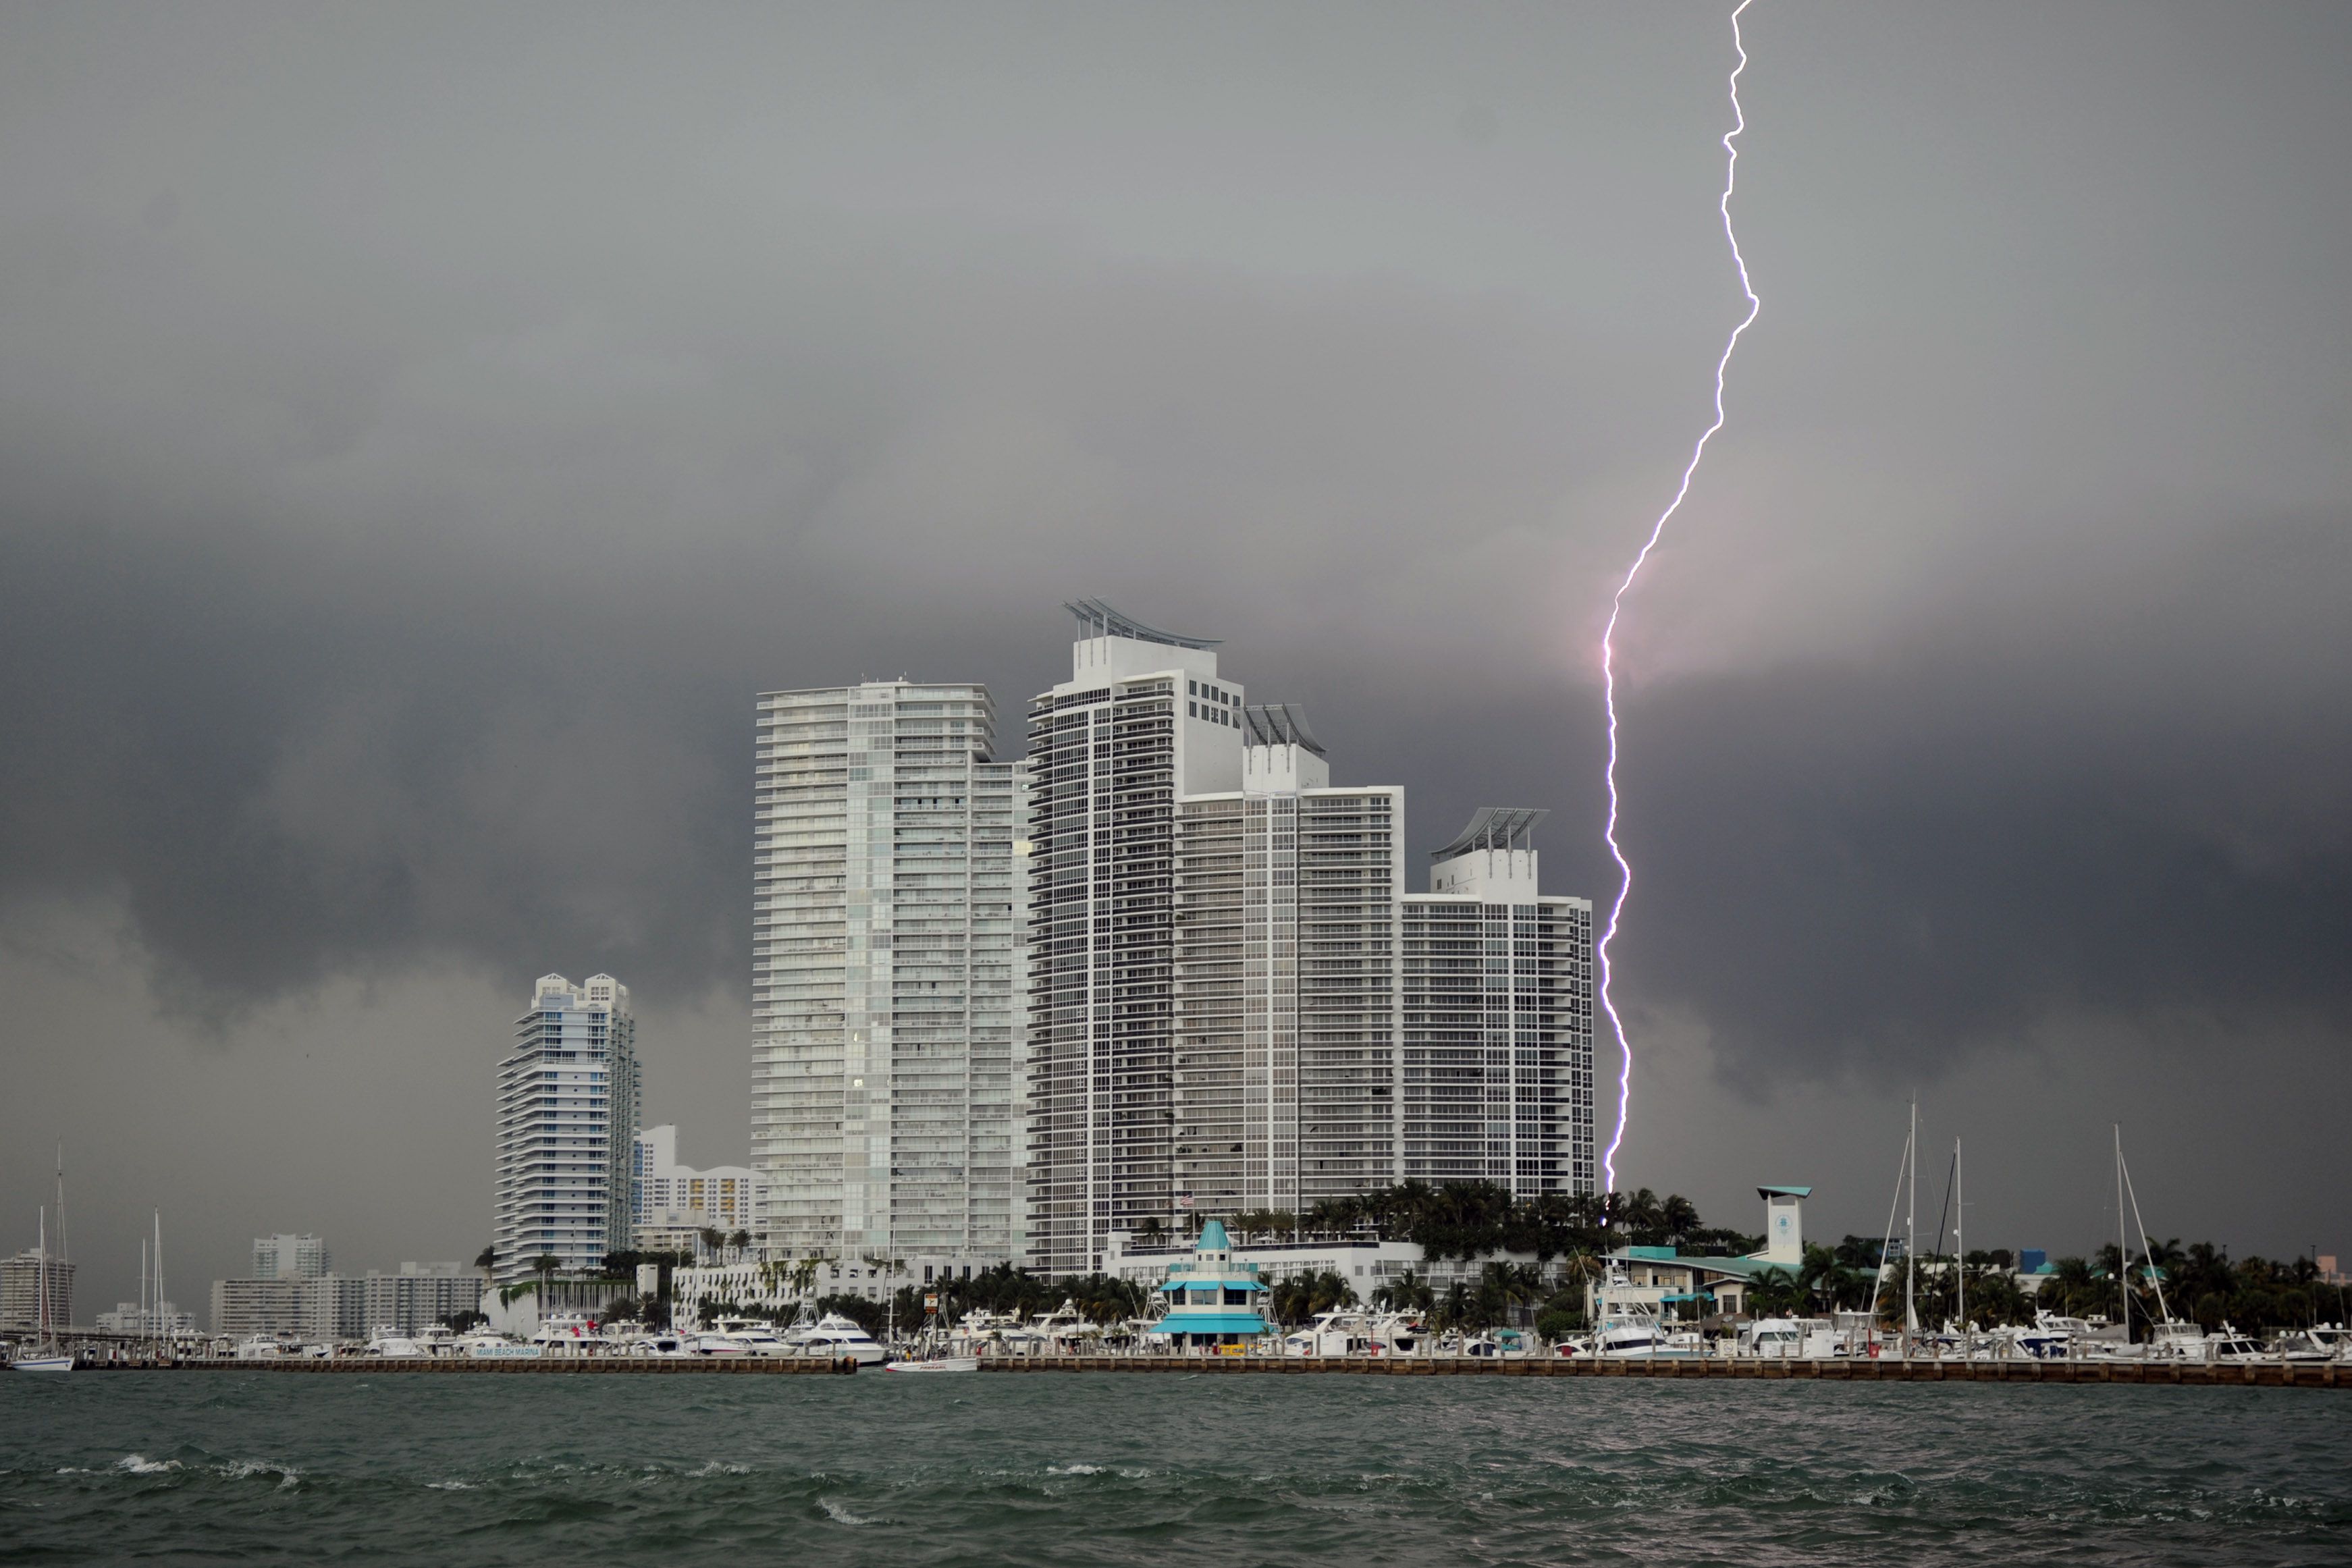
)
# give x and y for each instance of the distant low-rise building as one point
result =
(345, 1306)
(243, 1308)
(420, 1295)
(146, 1323)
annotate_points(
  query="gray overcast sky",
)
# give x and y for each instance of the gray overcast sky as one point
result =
(423, 428)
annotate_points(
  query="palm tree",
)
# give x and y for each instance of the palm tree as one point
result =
(1508, 1287)
(1409, 1292)
(740, 1241)
(1774, 1294)
(711, 1237)
(544, 1266)
(2077, 1290)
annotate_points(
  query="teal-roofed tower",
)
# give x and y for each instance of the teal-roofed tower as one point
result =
(1210, 1299)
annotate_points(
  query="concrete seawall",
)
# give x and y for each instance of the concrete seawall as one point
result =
(2247, 1374)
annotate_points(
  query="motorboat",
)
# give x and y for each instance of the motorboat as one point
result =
(2230, 1345)
(1629, 1323)
(756, 1338)
(569, 1333)
(389, 1343)
(2319, 1342)
(1792, 1339)
(836, 1338)
(716, 1345)
(266, 1347)
(1336, 1332)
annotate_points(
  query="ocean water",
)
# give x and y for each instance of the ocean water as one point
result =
(220, 1467)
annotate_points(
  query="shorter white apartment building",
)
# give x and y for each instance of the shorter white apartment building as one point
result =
(674, 1204)
(1363, 1260)
(146, 1323)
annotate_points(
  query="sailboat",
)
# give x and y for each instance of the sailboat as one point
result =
(52, 1356)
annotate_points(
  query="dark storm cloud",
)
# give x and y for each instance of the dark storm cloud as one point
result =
(422, 431)
(2079, 805)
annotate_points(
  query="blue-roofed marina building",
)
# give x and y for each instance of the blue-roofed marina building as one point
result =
(1210, 1298)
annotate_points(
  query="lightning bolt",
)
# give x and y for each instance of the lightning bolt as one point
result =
(1617, 605)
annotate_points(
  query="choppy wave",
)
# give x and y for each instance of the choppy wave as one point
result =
(1150, 1470)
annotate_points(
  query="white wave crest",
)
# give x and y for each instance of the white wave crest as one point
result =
(839, 1514)
(1073, 1469)
(141, 1465)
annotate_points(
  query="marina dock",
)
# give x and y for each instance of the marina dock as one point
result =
(2246, 1374)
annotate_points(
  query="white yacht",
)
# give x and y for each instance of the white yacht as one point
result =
(1340, 1332)
(389, 1343)
(2319, 1342)
(755, 1337)
(2230, 1345)
(569, 1333)
(1630, 1324)
(1792, 1339)
(835, 1338)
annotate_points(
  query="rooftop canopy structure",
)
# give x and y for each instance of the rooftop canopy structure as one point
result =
(1280, 723)
(1096, 619)
(1495, 828)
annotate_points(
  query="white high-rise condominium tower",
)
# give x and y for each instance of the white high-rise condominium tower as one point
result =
(1234, 1002)
(1287, 980)
(1143, 720)
(568, 1105)
(885, 986)
(1497, 1044)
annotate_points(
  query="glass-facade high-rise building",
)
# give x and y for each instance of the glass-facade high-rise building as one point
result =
(568, 1108)
(886, 977)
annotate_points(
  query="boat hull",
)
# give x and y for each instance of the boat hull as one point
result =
(944, 1364)
(44, 1363)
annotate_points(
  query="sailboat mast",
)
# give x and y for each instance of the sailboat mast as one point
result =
(1911, 1237)
(1960, 1246)
(2123, 1241)
(41, 1276)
